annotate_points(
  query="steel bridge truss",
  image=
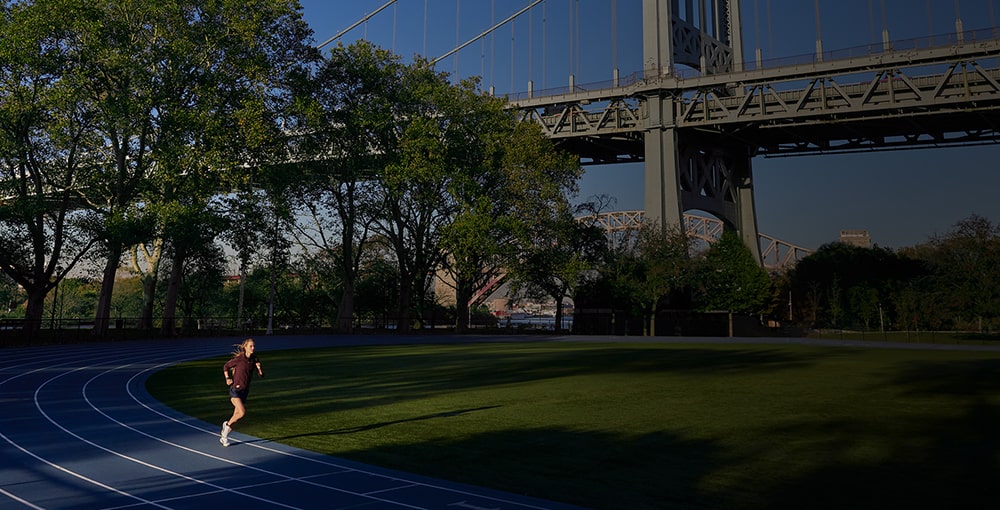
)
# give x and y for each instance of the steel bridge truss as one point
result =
(776, 255)
(900, 99)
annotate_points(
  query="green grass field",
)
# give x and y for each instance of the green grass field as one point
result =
(634, 426)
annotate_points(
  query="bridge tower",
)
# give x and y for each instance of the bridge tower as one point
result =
(687, 169)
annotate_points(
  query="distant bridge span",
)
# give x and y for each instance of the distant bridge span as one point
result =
(776, 254)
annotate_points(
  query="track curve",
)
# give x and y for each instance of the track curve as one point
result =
(79, 430)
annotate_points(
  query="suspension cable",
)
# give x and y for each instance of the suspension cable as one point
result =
(756, 25)
(484, 33)
(993, 22)
(530, 43)
(493, 45)
(355, 25)
(871, 23)
(614, 34)
(819, 34)
(544, 46)
(885, 29)
(512, 55)
(770, 36)
(571, 35)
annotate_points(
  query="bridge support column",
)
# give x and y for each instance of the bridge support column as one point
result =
(663, 190)
(688, 170)
(661, 153)
(686, 173)
(746, 210)
(716, 177)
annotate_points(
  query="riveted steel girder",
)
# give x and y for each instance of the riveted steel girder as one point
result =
(919, 97)
(776, 254)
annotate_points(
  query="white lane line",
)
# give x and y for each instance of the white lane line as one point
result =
(201, 351)
(206, 493)
(52, 464)
(390, 489)
(129, 386)
(75, 358)
(19, 500)
(284, 477)
(78, 475)
(38, 406)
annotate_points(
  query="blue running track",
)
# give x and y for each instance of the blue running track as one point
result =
(78, 430)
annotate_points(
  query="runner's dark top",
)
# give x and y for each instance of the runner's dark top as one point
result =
(243, 369)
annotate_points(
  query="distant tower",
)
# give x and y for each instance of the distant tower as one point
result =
(688, 170)
(859, 238)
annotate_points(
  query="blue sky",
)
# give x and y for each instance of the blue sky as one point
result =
(901, 197)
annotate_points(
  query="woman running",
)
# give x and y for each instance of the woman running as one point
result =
(238, 372)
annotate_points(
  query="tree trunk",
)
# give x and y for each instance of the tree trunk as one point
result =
(345, 312)
(148, 300)
(35, 311)
(270, 300)
(403, 312)
(148, 276)
(652, 321)
(239, 306)
(102, 317)
(463, 294)
(557, 327)
(169, 327)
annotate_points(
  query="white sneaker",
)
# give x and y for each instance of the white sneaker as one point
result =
(224, 440)
(226, 429)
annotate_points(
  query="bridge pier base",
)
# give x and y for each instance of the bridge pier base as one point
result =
(686, 173)
(662, 199)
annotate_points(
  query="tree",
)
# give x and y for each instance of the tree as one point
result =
(191, 227)
(558, 254)
(730, 279)
(414, 197)
(965, 268)
(144, 262)
(663, 267)
(515, 186)
(865, 303)
(46, 137)
(177, 86)
(201, 285)
(242, 231)
(348, 117)
(836, 272)
(378, 286)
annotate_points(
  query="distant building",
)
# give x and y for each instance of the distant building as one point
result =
(859, 238)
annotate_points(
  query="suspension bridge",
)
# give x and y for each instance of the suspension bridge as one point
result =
(704, 92)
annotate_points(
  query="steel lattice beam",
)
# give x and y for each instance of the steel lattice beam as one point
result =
(776, 254)
(912, 98)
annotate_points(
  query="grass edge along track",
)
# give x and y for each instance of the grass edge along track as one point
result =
(630, 425)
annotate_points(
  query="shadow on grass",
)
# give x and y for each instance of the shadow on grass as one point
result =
(956, 378)
(372, 426)
(942, 450)
(569, 466)
(919, 433)
(938, 463)
(347, 379)
(836, 464)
